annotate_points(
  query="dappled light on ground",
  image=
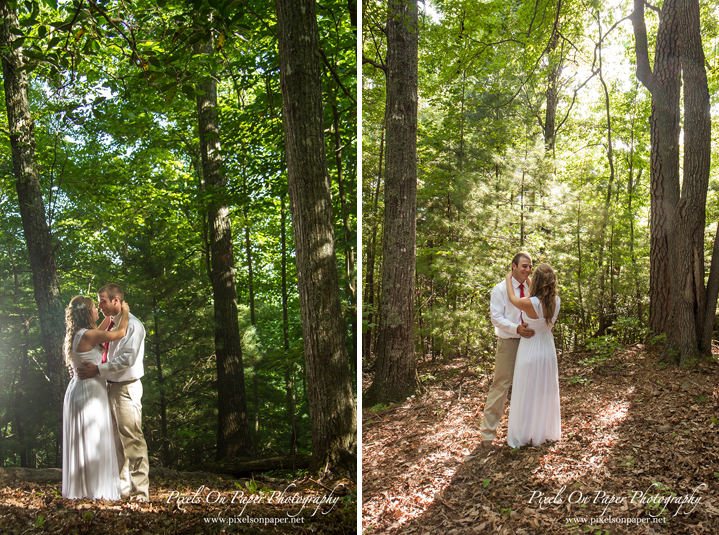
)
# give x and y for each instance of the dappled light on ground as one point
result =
(637, 439)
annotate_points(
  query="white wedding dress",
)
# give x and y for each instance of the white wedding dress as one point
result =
(534, 410)
(89, 459)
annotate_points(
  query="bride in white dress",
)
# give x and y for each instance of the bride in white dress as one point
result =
(89, 460)
(534, 413)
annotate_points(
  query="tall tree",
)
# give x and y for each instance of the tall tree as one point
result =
(32, 209)
(396, 368)
(233, 434)
(678, 218)
(664, 85)
(332, 408)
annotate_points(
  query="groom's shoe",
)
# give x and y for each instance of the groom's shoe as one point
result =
(488, 445)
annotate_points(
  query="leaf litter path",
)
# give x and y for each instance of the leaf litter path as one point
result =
(638, 439)
(27, 507)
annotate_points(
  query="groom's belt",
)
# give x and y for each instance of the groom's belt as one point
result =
(122, 382)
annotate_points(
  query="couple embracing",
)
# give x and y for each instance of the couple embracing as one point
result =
(523, 313)
(104, 454)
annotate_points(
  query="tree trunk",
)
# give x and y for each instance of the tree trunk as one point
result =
(32, 211)
(606, 317)
(233, 438)
(396, 370)
(349, 236)
(368, 337)
(331, 400)
(550, 116)
(289, 376)
(686, 235)
(161, 384)
(250, 278)
(664, 85)
(679, 48)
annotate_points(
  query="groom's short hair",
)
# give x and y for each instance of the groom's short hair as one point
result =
(518, 257)
(112, 291)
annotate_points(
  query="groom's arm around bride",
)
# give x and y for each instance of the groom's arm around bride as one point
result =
(122, 367)
(509, 327)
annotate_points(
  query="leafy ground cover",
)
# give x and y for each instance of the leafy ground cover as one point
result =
(639, 453)
(185, 503)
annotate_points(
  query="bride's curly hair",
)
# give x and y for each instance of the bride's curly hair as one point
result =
(78, 315)
(544, 286)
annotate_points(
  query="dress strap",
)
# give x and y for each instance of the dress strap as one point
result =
(76, 339)
(537, 306)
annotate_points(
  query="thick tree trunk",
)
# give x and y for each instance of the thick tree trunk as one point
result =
(331, 400)
(233, 438)
(32, 211)
(664, 85)
(686, 236)
(396, 369)
(679, 47)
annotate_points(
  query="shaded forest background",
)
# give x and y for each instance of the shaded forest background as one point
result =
(533, 134)
(112, 90)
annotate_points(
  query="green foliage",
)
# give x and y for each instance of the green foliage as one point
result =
(113, 99)
(603, 348)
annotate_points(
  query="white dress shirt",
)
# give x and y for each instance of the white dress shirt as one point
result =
(504, 315)
(124, 356)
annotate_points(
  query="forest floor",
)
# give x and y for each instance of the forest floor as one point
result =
(639, 454)
(181, 503)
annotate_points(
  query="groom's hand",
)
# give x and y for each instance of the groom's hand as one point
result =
(524, 331)
(87, 370)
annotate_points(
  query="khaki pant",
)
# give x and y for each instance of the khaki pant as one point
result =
(503, 374)
(126, 408)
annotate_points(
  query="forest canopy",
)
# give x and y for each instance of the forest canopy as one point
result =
(113, 92)
(533, 134)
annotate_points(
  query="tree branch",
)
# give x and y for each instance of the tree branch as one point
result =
(336, 77)
(644, 71)
(373, 63)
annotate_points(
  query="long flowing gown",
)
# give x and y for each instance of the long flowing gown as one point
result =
(89, 460)
(534, 412)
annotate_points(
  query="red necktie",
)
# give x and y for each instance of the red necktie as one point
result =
(521, 294)
(107, 344)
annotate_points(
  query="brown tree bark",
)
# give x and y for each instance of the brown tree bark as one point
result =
(664, 85)
(679, 46)
(396, 369)
(233, 438)
(686, 235)
(32, 211)
(332, 408)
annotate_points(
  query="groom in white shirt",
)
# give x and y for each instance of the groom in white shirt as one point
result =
(122, 368)
(508, 326)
